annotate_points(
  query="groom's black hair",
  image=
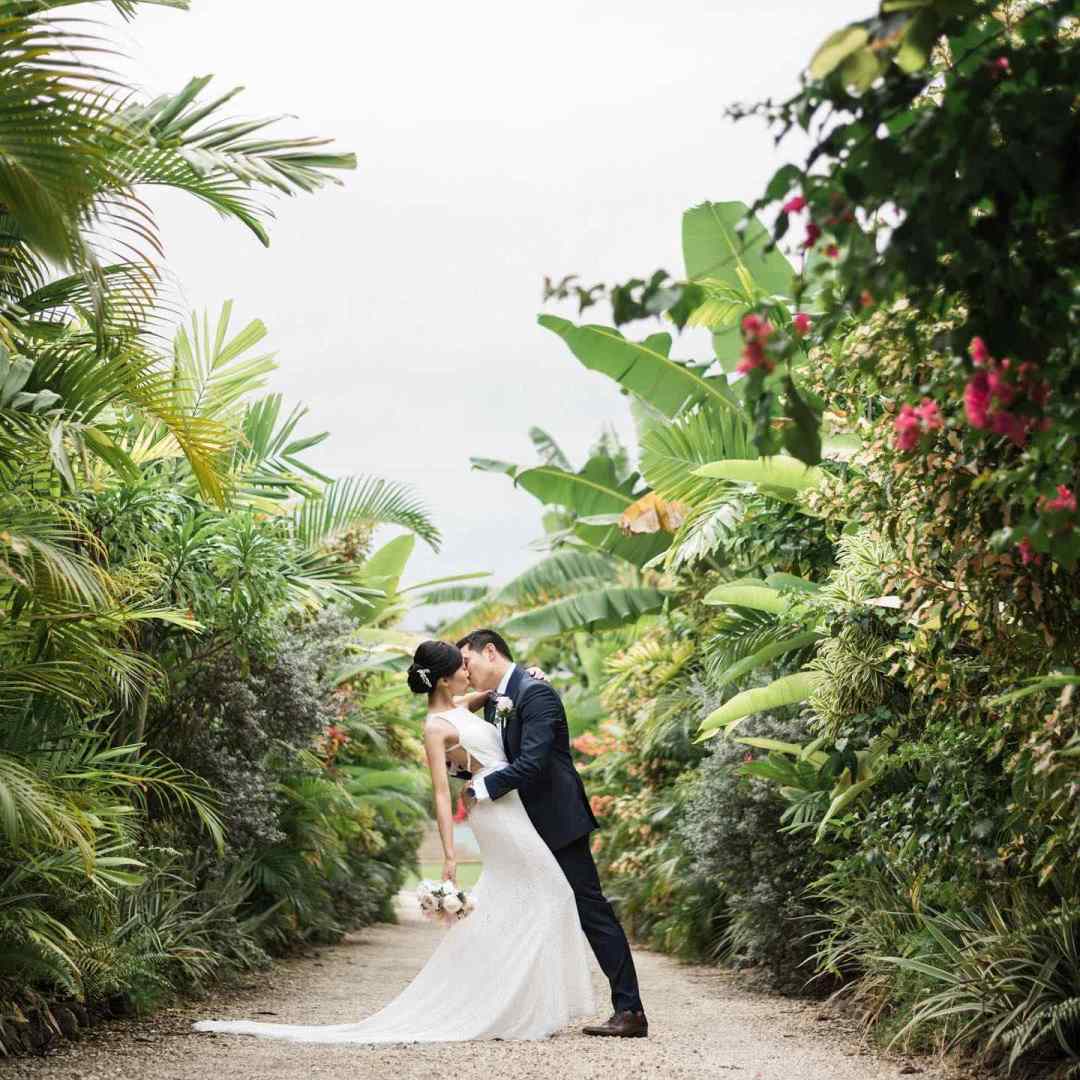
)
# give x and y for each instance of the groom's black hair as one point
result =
(479, 638)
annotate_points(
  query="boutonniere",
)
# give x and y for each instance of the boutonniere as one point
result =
(504, 708)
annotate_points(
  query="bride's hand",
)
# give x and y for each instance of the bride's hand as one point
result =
(537, 673)
(449, 870)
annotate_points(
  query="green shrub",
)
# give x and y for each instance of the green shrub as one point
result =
(732, 830)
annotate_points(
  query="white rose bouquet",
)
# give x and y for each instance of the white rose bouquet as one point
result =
(443, 901)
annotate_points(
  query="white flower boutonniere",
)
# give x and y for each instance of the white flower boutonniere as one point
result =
(504, 708)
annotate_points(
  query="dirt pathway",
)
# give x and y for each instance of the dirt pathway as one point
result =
(704, 1024)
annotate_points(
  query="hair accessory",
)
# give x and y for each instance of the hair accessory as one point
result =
(424, 672)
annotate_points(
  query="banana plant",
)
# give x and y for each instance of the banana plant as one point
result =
(600, 609)
(644, 368)
(565, 574)
(590, 503)
(729, 254)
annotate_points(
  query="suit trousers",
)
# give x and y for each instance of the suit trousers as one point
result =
(602, 928)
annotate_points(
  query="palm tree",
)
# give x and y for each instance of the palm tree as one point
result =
(113, 445)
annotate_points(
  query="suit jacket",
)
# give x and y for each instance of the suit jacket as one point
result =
(536, 738)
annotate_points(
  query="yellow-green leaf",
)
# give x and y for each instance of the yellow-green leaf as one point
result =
(860, 69)
(918, 43)
(778, 471)
(789, 690)
(759, 597)
(836, 48)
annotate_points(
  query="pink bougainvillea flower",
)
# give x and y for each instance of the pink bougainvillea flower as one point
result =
(755, 327)
(813, 234)
(1064, 500)
(1000, 388)
(832, 252)
(757, 331)
(908, 429)
(1013, 427)
(794, 204)
(1027, 552)
(913, 422)
(930, 415)
(977, 400)
(802, 323)
(1039, 392)
(980, 354)
(1001, 66)
(753, 356)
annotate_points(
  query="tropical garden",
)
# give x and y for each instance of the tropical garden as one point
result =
(197, 769)
(817, 631)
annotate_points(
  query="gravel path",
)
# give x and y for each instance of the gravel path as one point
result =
(704, 1023)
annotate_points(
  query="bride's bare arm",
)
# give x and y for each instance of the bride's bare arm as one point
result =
(437, 735)
(473, 701)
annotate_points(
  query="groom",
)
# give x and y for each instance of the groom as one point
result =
(537, 743)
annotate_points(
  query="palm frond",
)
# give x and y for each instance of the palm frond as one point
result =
(212, 371)
(369, 500)
(671, 452)
(560, 575)
(222, 162)
(452, 594)
(266, 461)
(549, 450)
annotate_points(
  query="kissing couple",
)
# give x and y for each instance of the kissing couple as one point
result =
(517, 967)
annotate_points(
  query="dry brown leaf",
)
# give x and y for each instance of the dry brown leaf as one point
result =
(651, 514)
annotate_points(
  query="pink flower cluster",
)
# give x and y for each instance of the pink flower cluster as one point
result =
(1064, 502)
(915, 421)
(756, 331)
(798, 203)
(991, 390)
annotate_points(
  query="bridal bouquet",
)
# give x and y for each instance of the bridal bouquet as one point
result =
(443, 901)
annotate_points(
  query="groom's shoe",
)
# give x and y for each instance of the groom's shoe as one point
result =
(622, 1025)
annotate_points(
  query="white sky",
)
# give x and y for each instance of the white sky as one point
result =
(497, 142)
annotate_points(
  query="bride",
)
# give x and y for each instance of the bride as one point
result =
(517, 967)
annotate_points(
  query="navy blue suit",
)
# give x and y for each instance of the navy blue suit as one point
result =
(537, 742)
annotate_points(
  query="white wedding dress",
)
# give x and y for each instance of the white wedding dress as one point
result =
(516, 968)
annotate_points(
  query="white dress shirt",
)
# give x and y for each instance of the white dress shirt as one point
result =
(477, 784)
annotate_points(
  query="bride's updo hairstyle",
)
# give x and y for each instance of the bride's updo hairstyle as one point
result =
(432, 661)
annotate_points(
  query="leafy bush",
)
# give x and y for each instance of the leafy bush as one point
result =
(243, 730)
(732, 831)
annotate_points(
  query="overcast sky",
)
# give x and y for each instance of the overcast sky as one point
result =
(497, 142)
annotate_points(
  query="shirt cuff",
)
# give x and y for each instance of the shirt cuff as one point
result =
(480, 788)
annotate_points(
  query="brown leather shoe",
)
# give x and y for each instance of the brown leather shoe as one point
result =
(622, 1025)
